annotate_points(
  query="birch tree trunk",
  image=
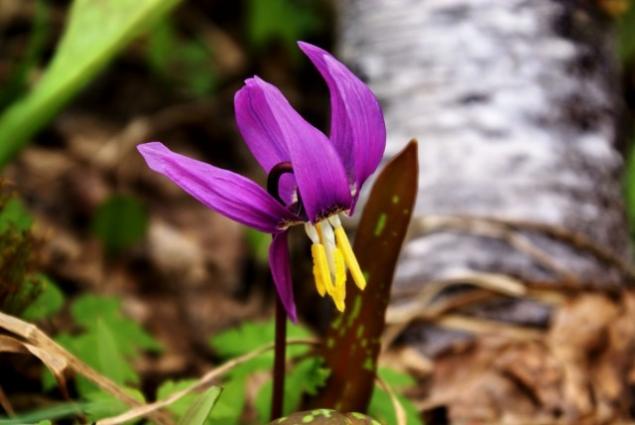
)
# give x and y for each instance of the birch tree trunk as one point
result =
(519, 236)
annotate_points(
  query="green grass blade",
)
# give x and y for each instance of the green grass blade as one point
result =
(96, 31)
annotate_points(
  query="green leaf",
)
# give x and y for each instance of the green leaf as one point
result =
(258, 244)
(17, 82)
(229, 407)
(380, 404)
(167, 388)
(237, 341)
(305, 378)
(19, 286)
(162, 41)
(111, 360)
(49, 301)
(185, 62)
(88, 309)
(200, 410)
(58, 411)
(109, 341)
(626, 34)
(15, 215)
(103, 405)
(397, 380)
(250, 336)
(99, 350)
(95, 32)
(241, 340)
(280, 20)
(120, 222)
(227, 410)
(382, 409)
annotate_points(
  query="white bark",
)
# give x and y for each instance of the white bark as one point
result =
(515, 108)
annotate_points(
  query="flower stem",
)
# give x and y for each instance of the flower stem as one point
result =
(277, 397)
(280, 347)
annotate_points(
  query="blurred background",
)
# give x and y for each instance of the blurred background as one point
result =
(82, 214)
(105, 223)
(102, 223)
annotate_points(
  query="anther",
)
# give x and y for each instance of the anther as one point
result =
(323, 276)
(317, 274)
(349, 256)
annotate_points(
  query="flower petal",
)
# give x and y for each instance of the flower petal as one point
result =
(258, 126)
(358, 131)
(281, 272)
(262, 135)
(275, 132)
(228, 193)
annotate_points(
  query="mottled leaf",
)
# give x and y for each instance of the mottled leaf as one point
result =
(325, 417)
(353, 340)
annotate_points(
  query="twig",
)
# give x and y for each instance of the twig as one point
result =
(5, 403)
(432, 223)
(491, 327)
(493, 282)
(203, 382)
(45, 346)
(400, 413)
(277, 398)
(491, 228)
(422, 307)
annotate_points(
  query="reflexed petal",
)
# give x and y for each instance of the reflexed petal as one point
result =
(258, 126)
(281, 272)
(317, 169)
(228, 193)
(261, 133)
(358, 131)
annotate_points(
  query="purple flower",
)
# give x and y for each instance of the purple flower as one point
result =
(312, 178)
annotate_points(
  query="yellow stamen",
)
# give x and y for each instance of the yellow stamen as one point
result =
(323, 276)
(349, 256)
(340, 268)
(340, 305)
(319, 283)
(340, 280)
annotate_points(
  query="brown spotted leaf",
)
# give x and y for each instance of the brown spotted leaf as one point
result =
(325, 417)
(353, 340)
